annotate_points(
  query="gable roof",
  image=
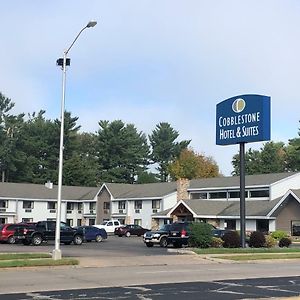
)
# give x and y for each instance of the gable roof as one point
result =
(147, 190)
(234, 181)
(40, 191)
(209, 208)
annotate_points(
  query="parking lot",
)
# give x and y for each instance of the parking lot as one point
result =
(114, 246)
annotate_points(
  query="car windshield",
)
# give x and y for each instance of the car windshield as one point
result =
(165, 227)
(104, 223)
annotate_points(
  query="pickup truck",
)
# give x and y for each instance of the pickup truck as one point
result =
(45, 231)
(109, 225)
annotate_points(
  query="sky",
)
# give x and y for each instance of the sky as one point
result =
(154, 61)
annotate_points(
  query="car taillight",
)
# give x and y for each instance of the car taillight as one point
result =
(183, 233)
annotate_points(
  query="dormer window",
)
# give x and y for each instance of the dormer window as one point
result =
(218, 195)
(259, 194)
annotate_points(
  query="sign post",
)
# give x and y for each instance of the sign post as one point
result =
(243, 119)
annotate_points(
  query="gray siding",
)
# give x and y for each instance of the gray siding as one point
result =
(103, 196)
(289, 212)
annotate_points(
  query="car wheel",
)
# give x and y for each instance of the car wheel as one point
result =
(127, 234)
(11, 240)
(77, 239)
(149, 245)
(98, 238)
(163, 242)
(37, 240)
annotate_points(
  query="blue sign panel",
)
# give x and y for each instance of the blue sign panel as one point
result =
(243, 119)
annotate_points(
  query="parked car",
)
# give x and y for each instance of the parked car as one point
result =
(179, 234)
(109, 226)
(92, 233)
(45, 231)
(130, 229)
(7, 232)
(217, 232)
(158, 237)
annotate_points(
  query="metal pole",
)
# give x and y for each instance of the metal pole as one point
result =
(57, 252)
(242, 195)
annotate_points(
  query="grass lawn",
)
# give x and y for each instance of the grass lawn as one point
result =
(245, 257)
(10, 260)
(245, 250)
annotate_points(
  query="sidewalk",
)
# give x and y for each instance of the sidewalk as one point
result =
(157, 260)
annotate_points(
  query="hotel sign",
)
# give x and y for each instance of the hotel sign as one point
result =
(243, 119)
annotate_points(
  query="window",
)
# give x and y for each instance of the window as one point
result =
(27, 220)
(92, 221)
(116, 223)
(51, 205)
(295, 227)
(106, 205)
(259, 194)
(230, 224)
(218, 195)
(3, 220)
(27, 204)
(155, 204)
(3, 203)
(137, 222)
(122, 221)
(70, 222)
(79, 222)
(236, 194)
(80, 206)
(70, 206)
(121, 205)
(262, 226)
(199, 195)
(92, 205)
(138, 204)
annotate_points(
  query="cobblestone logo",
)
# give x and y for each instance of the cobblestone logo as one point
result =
(238, 105)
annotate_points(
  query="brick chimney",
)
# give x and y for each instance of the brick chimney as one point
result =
(182, 186)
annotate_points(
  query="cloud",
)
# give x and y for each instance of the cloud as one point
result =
(152, 61)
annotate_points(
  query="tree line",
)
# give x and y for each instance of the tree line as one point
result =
(272, 157)
(117, 152)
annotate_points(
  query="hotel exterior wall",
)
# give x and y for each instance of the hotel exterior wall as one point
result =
(279, 189)
(290, 212)
(101, 214)
(168, 201)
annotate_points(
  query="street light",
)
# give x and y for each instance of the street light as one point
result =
(63, 62)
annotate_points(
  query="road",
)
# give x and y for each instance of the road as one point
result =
(125, 268)
(224, 290)
(114, 246)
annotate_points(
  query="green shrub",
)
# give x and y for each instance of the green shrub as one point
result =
(200, 235)
(279, 234)
(257, 239)
(284, 242)
(231, 239)
(270, 241)
(216, 242)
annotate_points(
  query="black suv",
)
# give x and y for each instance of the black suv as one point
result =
(158, 237)
(179, 234)
(176, 233)
(45, 231)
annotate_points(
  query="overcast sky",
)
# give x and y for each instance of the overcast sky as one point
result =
(155, 61)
